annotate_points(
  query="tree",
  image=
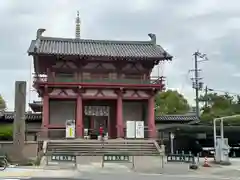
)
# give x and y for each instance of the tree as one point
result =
(2, 103)
(219, 106)
(171, 102)
(6, 132)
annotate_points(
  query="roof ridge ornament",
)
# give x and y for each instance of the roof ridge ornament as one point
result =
(39, 32)
(153, 38)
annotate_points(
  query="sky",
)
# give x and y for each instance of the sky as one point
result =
(181, 26)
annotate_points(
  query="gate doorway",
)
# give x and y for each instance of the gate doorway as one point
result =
(100, 121)
(98, 116)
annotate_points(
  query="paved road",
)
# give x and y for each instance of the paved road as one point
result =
(145, 169)
(131, 177)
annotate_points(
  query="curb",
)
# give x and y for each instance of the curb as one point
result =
(16, 174)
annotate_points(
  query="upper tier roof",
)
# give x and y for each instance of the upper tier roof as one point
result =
(101, 48)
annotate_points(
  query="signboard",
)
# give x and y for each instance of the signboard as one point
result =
(135, 129)
(116, 158)
(85, 132)
(96, 110)
(139, 129)
(63, 158)
(187, 158)
(70, 129)
(130, 125)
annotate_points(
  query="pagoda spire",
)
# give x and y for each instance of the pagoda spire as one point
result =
(78, 29)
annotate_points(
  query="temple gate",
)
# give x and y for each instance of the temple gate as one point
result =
(95, 81)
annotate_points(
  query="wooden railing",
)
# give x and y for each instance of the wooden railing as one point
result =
(151, 80)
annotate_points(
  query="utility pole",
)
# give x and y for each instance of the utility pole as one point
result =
(205, 96)
(206, 100)
(197, 84)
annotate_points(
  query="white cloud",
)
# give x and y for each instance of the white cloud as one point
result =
(181, 27)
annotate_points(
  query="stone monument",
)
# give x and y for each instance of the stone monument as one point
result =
(19, 122)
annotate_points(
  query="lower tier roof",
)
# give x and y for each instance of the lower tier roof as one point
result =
(30, 116)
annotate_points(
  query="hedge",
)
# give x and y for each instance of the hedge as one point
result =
(6, 132)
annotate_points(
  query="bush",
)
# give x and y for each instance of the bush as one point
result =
(6, 132)
(37, 161)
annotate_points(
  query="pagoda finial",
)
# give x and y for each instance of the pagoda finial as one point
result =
(78, 29)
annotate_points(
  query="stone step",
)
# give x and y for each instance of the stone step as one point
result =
(101, 147)
(106, 141)
(59, 145)
(95, 147)
(104, 152)
(50, 145)
(79, 143)
(93, 150)
(100, 144)
(100, 153)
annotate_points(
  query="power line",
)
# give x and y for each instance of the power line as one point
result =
(222, 91)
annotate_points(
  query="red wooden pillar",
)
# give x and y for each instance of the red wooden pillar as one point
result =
(151, 118)
(120, 132)
(45, 114)
(79, 117)
(109, 126)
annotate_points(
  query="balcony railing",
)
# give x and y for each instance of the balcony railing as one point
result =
(147, 81)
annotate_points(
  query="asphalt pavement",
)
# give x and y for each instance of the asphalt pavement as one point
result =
(129, 177)
(144, 169)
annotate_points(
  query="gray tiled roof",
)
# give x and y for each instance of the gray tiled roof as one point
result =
(104, 48)
(29, 116)
(36, 103)
(9, 115)
(176, 118)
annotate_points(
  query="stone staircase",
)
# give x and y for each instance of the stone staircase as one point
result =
(80, 147)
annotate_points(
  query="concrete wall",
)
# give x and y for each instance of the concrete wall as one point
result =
(33, 125)
(30, 149)
(60, 111)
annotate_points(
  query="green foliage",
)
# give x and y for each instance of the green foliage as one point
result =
(2, 103)
(27, 162)
(220, 106)
(37, 161)
(6, 132)
(171, 102)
